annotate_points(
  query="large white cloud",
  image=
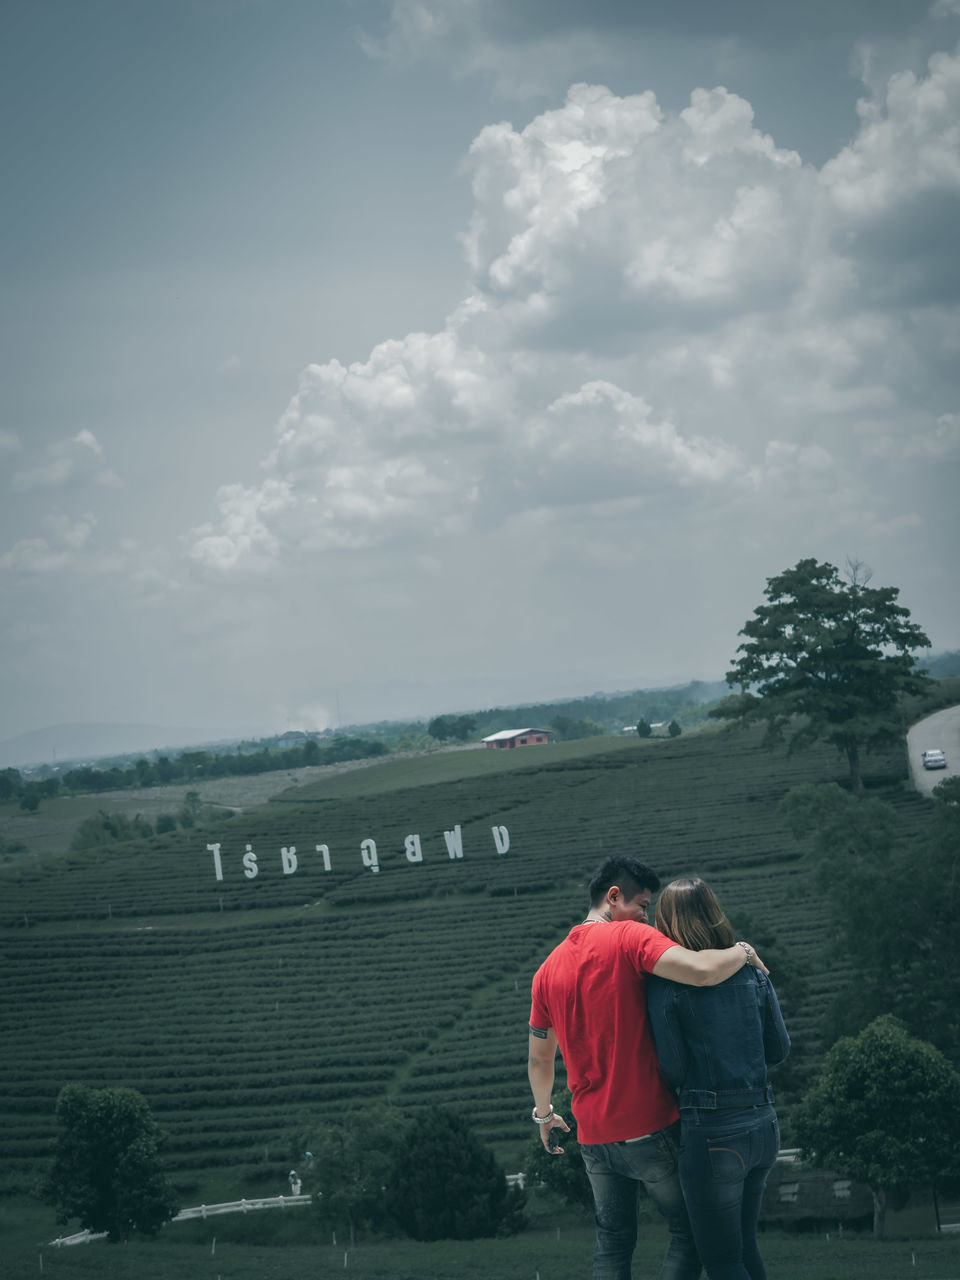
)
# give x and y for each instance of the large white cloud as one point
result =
(907, 146)
(693, 207)
(660, 304)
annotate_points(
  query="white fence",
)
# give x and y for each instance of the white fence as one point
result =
(201, 1211)
(787, 1155)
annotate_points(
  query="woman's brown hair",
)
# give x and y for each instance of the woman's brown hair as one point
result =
(689, 913)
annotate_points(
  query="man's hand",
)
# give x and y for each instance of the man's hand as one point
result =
(556, 1122)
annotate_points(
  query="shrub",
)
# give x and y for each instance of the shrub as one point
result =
(445, 1185)
(108, 828)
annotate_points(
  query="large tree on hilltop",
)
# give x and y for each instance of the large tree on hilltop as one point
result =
(828, 658)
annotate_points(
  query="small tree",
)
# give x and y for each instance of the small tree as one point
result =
(189, 814)
(561, 726)
(30, 800)
(829, 660)
(886, 1111)
(107, 828)
(350, 1167)
(439, 728)
(445, 1185)
(11, 784)
(674, 729)
(567, 729)
(463, 728)
(106, 1168)
(458, 727)
(644, 730)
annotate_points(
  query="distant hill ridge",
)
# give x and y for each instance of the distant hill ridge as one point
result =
(90, 742)
(61, 743)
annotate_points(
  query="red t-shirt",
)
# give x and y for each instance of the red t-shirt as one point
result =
(590, 991)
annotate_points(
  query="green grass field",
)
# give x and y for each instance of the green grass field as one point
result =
(239, 1006)
(455, 766)
(553, 1247)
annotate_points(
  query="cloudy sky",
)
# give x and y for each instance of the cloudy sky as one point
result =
(364, 359)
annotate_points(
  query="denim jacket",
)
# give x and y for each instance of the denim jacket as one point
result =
(715, 1043)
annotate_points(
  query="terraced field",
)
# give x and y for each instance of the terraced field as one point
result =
(238, 1005)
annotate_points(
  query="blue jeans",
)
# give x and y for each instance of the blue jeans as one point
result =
(725, 1157)
(615, 1170)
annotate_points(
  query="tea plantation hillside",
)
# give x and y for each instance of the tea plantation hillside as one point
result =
(372, 955)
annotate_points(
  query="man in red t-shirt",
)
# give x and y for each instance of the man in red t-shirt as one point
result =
(588, 999)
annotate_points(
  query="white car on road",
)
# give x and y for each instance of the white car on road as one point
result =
(933, 748)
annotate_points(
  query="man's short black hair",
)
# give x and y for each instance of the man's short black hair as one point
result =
(628, 873)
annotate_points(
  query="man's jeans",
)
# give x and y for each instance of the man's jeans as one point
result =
(615, 1170)
(725, 1157)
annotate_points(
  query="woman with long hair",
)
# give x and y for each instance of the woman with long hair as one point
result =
(714, 1045)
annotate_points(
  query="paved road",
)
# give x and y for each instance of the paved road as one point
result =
(942, 730)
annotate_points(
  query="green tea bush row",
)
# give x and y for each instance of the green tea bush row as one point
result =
(418, 992)
(536, 822)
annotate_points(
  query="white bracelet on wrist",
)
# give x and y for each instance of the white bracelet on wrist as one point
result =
(543, 1119)
(748, 949)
